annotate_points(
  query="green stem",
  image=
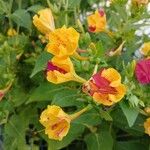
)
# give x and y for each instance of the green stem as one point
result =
(77, 114)
(95, 69)
(19, 7)
(79, 79)
(66, 13)
(9, 13)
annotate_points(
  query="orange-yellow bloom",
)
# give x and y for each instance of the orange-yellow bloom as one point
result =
(105, 87)
(61, 70)
(44, 21)
(147, 126)
(145, 50)
(63, 42)
(57, 122)
(97, 22)
(11, 32)
(140, 2)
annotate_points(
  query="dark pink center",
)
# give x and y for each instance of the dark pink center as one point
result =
(92, 28)
(103, 85)
(52, 67)
(101, 12)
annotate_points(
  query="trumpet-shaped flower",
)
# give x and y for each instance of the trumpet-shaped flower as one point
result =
(44, 21)
(97, 21)
(142, 71)
(147, 126)
(145, 50)
(57, 122)
(61, 70)
(63, 42)
(105, 87)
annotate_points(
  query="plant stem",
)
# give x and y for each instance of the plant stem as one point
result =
(66, 13)
(77, 114)
(9, 13)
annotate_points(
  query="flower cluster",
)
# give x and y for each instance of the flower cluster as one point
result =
(104, 86)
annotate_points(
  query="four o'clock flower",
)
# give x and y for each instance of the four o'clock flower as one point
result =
(147, 126)
(97, 21)
(57, 122)
(63, 42)
(105, 87)
(145, 49)
(61, 70)
(44, 21)
(142, 71)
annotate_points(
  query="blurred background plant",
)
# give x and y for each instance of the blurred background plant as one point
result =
(23, 61)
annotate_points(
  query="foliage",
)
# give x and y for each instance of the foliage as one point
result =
(23, 62)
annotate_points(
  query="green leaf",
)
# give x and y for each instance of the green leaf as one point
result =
(4, 6)
(102, 141)
(74, 3)
(91, 118)
(131, 145)
(105, 115)
(130, 113)
(121, 123)
(35, 8)
(45, 92)
(100, 49)
(15, 129)
(66, 97)
(41, 63)
(22, 18)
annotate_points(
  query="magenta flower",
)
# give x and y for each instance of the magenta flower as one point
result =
(142, 71)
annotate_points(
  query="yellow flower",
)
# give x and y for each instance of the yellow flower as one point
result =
(117, 51)
(63, 41)
(145, 50)
(97, 22)
(105, 87)
(57, 122)
(147, 110)
(140, 2)
(11, 32)
(61, 70)
(147, 126)
(44, 21)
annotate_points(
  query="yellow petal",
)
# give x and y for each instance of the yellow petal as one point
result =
(102, 99)
(63, 42)
(117, 51)
(56, 122)
(140, 2)
(145, 50)
(44, 21)
(147, 126)
(11, 32)
(121, 90)
(97, 21)
(57, 77)
(112, 75)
